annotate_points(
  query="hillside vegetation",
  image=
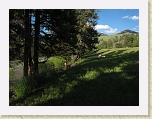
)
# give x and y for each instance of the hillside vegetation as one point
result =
(126, 38)
(112, 80)
(107, 37)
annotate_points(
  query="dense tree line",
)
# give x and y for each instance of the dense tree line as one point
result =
(123, 41)
(50, 32)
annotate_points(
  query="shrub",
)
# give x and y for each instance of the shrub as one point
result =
(58, 62)
(46, 69)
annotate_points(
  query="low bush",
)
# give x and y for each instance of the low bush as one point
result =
(57, 62)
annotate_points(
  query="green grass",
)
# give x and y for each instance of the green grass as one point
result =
(93, 81)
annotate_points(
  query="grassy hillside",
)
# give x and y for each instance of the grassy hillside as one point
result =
(113, 36)
(109, 81)
(109, 37)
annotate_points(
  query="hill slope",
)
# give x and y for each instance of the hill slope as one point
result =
(113, 36)
(128, 32)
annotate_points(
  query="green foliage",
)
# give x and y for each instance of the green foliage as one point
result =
(118, 45)
(115, 37)
(46, 69)
(104, 45)
(57, 62)
(109, 44)
(16, 33)
(59, 35)
(24, 86)
(53, 65)
(118, 41)
(87, 36)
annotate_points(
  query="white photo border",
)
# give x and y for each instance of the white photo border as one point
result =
(142, 109)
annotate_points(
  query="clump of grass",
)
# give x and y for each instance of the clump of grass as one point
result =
(24, 86)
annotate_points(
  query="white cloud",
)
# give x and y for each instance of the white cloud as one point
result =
(131, 17)
(105, 29)
(125, 17)
(134, 18)
(134, 29)
(102, 27)
(111, 30)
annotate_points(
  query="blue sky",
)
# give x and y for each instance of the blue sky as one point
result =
(112, 21)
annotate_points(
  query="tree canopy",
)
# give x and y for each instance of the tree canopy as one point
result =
(50, 32)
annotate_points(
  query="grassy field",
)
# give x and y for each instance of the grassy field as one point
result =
(109, 81)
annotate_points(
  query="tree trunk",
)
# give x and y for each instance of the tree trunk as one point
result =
(36, 41)
(74, 59)
(26, 43)
(29, 52)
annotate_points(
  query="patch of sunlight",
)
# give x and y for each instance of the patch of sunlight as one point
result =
(90, 75)
(111, 69)
(126, 76)
(103, 50)
(80, 60)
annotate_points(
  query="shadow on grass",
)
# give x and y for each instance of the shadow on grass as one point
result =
(107, 91)
(110, 88)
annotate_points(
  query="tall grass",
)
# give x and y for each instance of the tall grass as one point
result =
(24, 86)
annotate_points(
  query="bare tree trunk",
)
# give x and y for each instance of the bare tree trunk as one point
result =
(30, 45)
(26, 43)
(74, 59)
(36, 41)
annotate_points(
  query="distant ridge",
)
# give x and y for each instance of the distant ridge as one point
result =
(102, 34)
(127, 31)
